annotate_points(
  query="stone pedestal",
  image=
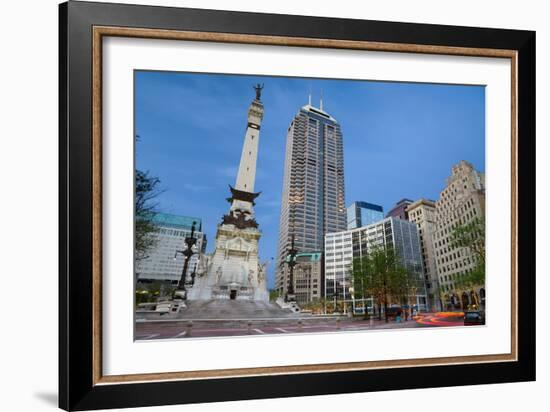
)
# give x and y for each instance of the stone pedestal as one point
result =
(233, 270)
(289, 305)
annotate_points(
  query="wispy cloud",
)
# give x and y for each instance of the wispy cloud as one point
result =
(275, 203)
(227, 171)
(197, 187)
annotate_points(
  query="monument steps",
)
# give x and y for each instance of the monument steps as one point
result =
(232, 309)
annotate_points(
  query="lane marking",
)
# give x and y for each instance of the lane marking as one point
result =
(282, 330)
(221, 330)
(181, 335)
(154, 335)
(259, 331)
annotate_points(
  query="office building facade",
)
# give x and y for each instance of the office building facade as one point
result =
(422, 212)
(313, 200)
(308, 277)
(361, 214)
(461, 202)
(400, 209)
(342, 247)
(160, 264)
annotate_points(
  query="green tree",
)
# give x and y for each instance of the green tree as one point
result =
(150, 293)
(381, 275)
(471, 236)
(405, 287)
(316, 305)
(146, 191)
(274, 294)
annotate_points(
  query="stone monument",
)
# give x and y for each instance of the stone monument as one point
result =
(233, 270)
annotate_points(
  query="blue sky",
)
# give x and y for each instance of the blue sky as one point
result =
(400, 139)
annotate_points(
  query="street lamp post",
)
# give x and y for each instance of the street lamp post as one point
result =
(352, 293)
(344, 286)
(292, 252)
(193, 274)
(190, 241)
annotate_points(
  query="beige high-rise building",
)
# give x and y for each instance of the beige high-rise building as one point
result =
(462, 201)
(313, 199)
(423, 213)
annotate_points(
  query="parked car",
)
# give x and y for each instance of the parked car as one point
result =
(474, 317)
(359, 311)
(394, 311)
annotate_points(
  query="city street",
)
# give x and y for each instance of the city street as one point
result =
(147, 330)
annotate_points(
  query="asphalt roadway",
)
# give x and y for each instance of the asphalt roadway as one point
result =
(178, 329)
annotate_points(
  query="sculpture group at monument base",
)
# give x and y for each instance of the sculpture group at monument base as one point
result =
(233, 271)
(231, 291)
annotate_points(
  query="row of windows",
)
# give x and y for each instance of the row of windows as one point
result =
(174, 232)
(455, 265)
(455, 218)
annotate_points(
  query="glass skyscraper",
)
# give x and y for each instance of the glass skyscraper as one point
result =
(162, 264)
(398, 234)
(313, 201)
(363, 213)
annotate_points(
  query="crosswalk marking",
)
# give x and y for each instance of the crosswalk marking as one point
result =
(154, 335)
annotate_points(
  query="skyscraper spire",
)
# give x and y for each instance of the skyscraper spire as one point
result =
(321, 102)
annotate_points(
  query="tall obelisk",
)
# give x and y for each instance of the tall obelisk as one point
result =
(233, 270)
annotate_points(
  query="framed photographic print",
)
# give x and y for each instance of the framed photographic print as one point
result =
(259, 205)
